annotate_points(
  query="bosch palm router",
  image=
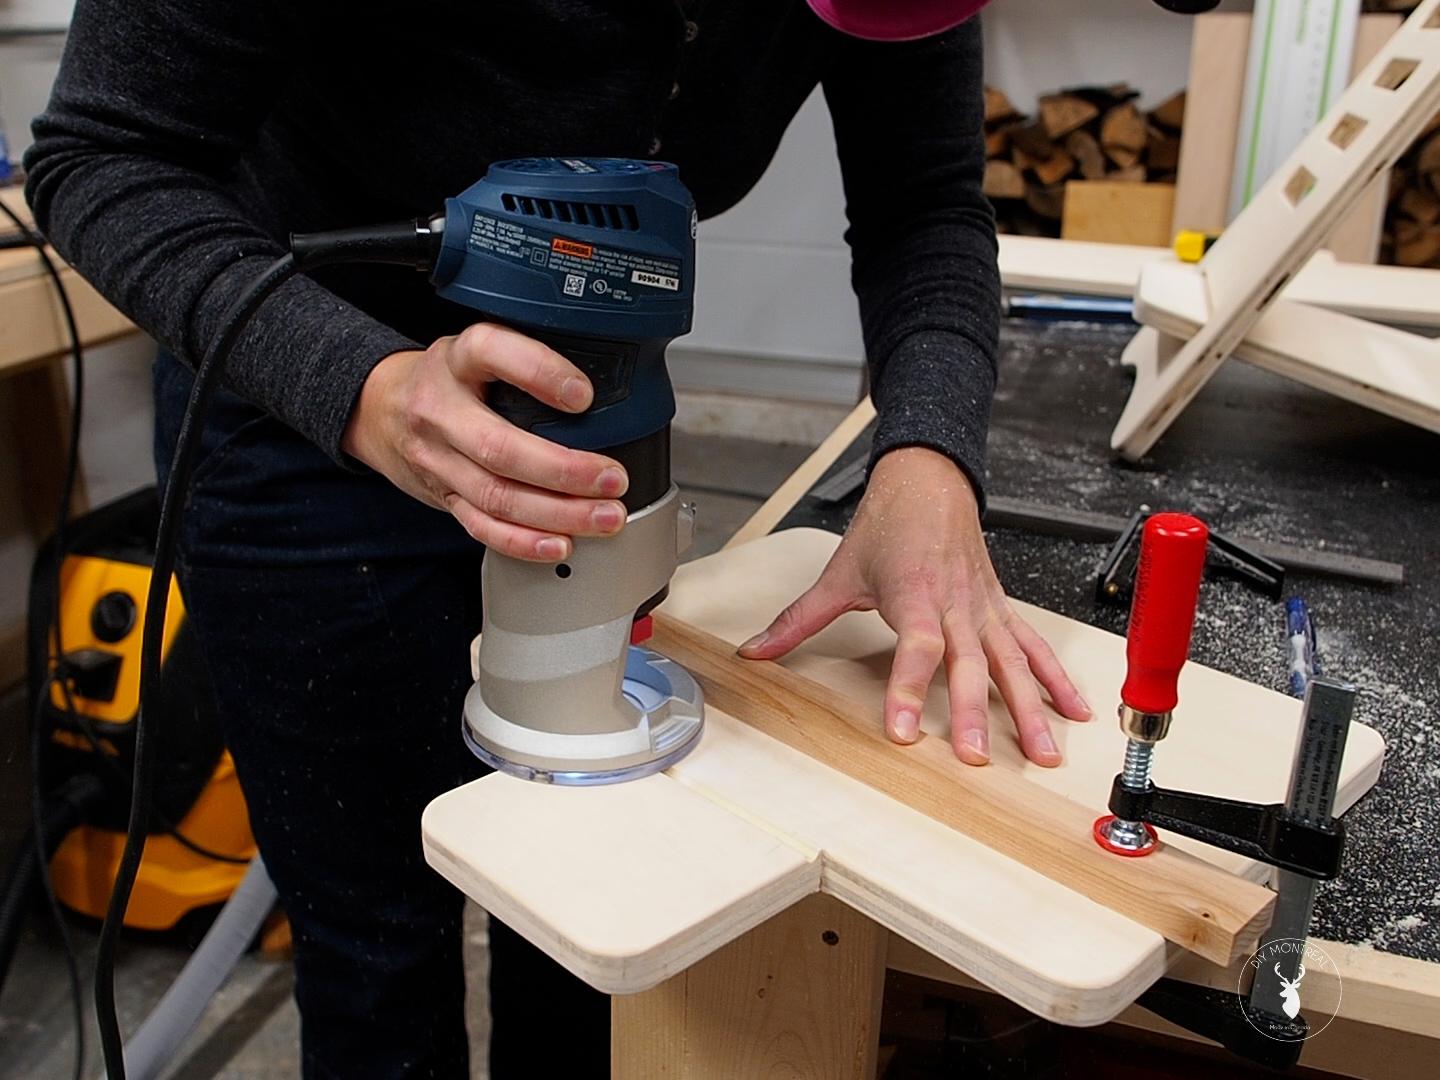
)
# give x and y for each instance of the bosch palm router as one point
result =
(594, 257)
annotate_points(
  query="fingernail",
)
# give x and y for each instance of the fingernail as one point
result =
(755, 642)
(1045, 744)
(575, 393)
(977, 741)
(608, 516)
(550, 548)
(611, 481)
(907, 725)
(1085, 705)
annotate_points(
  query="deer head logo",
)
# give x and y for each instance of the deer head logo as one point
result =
(1290, 992)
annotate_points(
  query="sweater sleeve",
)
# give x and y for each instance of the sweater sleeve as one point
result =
(155, 105)
(908, 122)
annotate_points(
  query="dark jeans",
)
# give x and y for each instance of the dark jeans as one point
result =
(335, 614)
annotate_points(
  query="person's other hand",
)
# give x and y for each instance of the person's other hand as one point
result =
(421, 421)
(915, 552)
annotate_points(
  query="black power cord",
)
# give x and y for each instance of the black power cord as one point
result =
(409, 244)
(62, 518)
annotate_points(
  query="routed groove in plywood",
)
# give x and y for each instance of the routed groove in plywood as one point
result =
(1188, 901)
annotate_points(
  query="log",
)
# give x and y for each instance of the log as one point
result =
(1084, 148)
(1162, 149)
(1123, 135)
(1057, 168)
(997, 142)
(1047, 201)
(1130, 174)
(1032, 140)
(1170, 113)
(1003, 181)
(998, 106)
(1421, 205)
(1420, 249)
(1190, 902)
(1063, 113)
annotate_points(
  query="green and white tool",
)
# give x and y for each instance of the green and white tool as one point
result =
(1299, 63)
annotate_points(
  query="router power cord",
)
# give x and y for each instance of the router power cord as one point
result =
(408, 243)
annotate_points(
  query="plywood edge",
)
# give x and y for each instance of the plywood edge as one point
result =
(767, 878)
(1078, 1002)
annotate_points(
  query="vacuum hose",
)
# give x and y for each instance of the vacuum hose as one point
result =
(152, 1048)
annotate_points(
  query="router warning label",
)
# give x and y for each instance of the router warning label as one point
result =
(582, 270)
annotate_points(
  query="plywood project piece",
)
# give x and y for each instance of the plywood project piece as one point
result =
(1118, 212)
(1391, 294)
(630, 885)
(1218, 50)
(1381, 367)
(1189, 901)
(1218, 54)
(1371, 124)
(1357, 238)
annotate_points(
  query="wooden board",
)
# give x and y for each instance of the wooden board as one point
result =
(1192, 903)
(1117, 212)
(1218, 50)
(32, 323)
(800, 995)
(626, 901)
(1357, 238)
(1389, 294)
(1368, 128)
(1383, 368)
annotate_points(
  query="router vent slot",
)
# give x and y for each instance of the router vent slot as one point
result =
(618, 216)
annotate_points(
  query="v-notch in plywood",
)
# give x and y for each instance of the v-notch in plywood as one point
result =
(1229, 301)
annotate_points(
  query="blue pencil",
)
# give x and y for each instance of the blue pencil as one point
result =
(1300, 634)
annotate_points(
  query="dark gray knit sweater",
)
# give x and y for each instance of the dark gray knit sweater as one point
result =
(186, 138)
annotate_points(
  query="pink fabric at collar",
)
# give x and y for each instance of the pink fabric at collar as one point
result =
(894, 20)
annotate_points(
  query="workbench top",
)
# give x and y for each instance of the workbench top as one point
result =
(1262, 458)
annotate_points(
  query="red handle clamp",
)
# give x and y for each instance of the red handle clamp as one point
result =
(1167, 585)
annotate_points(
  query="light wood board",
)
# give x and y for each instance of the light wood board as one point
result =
(1368, 128)
(1357, 238)
(1118, 212)
(1383, 368)
(629, 885)
(797, 997)
(1389, 294)
(1218, 50)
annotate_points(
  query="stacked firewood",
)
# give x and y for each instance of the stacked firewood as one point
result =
(1412, 220)
(1083, 133)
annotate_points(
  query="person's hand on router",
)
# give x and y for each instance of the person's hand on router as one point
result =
(916, 553)
(421, 421)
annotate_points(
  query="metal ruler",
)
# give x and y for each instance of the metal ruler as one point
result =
(1299, 62)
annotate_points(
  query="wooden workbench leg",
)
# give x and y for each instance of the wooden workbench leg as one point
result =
(795, 999)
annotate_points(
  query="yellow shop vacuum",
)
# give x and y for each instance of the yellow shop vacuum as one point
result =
(200, 838)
